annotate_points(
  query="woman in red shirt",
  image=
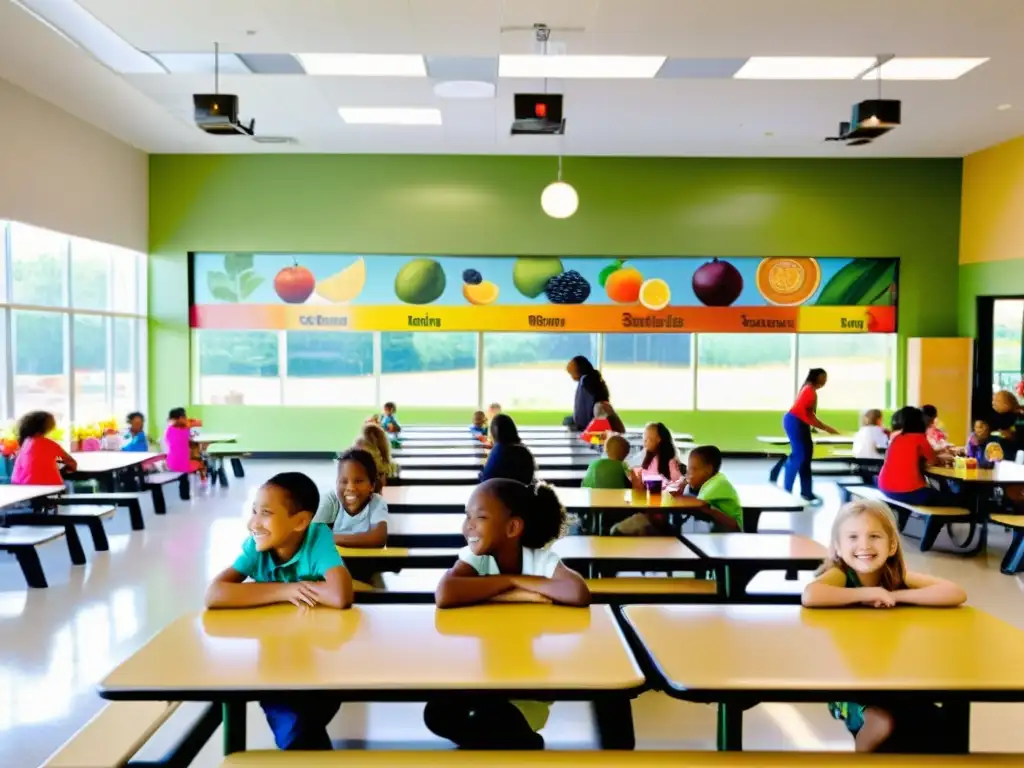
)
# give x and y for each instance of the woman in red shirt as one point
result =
(798, 423)
(902, 475)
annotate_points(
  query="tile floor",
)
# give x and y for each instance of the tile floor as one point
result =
(55, 644)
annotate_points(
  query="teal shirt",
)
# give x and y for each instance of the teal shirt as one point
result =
(607, 473)
(315, 558)
(719, 493)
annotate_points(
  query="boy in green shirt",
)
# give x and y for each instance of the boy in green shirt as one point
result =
(610, 471)
(705, 479)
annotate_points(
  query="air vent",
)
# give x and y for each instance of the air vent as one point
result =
(275, 140)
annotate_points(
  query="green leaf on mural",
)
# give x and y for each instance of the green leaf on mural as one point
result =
(237, 263)
(248, 282)
(221, 286)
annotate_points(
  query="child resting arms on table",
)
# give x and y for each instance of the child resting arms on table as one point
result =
(865, 567)
(507, 527)
(288, 559)
(706, 481)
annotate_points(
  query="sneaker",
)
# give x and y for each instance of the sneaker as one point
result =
(812, 501)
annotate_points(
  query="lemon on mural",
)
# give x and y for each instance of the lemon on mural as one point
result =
(655, 294)
(345, 285)
(484, 292)
(787, 282)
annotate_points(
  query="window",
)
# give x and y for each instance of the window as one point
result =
(861, 369)
(526, 371)
(327, 368)
(1007, 345)
(744, 372)
(90, 275)
(39, 266)
(649, 370)
(429, 369)
(40, 374)
(126, 366)
(90, 366)
(239, 368)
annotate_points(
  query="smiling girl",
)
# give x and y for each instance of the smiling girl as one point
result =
(358, 516)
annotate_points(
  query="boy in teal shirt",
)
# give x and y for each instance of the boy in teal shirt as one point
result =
(706, 481)
(610, 471)
(288, 559)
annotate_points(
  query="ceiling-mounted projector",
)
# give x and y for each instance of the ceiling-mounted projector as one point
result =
(217, 113)
(871, 119)
(538, 114)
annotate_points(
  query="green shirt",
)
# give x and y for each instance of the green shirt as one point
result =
(607, 473)
(719, 493)
(315, 558)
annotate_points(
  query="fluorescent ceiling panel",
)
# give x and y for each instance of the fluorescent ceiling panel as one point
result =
(363, 64)
(201, 63)
(804, 67)
(573, 67)
(700, 68)
(390, 115)
(74, 22)
(924, 69)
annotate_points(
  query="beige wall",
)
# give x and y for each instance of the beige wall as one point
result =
(63, 174)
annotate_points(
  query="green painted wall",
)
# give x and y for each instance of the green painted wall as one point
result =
(490, 205)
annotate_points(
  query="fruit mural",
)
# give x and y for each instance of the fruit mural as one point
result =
(344, 292)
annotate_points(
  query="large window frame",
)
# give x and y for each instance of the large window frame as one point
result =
(125, 300)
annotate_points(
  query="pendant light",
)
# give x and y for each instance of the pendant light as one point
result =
(559, 199)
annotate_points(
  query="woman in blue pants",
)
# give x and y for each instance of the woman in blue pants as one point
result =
(797, 423)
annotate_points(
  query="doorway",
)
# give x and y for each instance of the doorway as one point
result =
(999, 349)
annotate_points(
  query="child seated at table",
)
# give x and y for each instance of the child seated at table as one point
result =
(135, 439)
(865, 567)
(478, 428)
(599, 427)
(508, 527)
(705, 480)
(178, 445)
(983, 446)
(357, 514)
(872, 438)
(493, 410)
(389, 419)
(610, 471)
(39, 458)
(374, 441)
(288, 559)
(936, 435)
(901, 477)
(660, 463)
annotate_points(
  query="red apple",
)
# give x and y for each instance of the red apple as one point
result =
(294, 284)
(717, 283)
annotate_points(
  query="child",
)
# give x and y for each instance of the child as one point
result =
(388, 420)
(135, 438)
(289, 559)
(598, 427)
(179, 447)
(705, 479)
(493, 410)
(610, 471)
(508, 458)
(375, 441)
(865, 567)
(508, 526)
(872, 438)
(478, 428)
(982, 446)
(901, 477)
(659, 462)
(39, 458)
(936, 436)
(358, 516)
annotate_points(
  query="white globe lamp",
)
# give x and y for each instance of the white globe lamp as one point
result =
(559, 199)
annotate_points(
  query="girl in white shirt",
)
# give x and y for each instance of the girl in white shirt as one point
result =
(872, 438)
(508, 526)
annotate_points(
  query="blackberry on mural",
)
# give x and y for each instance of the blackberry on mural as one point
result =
(567, 288)
(472, 277)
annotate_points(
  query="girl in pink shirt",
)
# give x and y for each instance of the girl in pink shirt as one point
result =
(39, 457)
(660, 460)
(178, 445)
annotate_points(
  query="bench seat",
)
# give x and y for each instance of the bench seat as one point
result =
(1014, 560)
(934, 517)
(113, 736)
(21, 541)
(89, 515)
(131, 500)
(158, 480)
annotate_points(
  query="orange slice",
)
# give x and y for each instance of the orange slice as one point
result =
(655, 294)
(480, 294)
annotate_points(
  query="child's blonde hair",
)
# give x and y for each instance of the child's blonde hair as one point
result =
(894, 572)
(375, 435)
(871, 417)
(617, 447)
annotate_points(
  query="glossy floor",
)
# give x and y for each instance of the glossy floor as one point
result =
(55, 644)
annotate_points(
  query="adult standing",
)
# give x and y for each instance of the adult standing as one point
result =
(797, 423)
(590, 390)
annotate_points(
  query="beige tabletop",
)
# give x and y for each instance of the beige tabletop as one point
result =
(830, 650)
(819, 439)
(424, 525)
(209, 438)
(108, 461)
(398, 553)
(18, 494)
(1003, 473)
(380, 648)
(756, 546)
(622, 548)
(471, 451)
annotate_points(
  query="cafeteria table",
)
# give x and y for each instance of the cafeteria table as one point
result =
(779, 440)
(104, 466)
(751, 654)
(977, 486)
(570, 478)
(580, 461)
(387, 653)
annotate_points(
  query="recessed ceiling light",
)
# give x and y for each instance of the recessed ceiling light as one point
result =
(363, 64)
(608, 67)
(1004, 107)
(804, 67)
(390, 115)
(464, 89)
(924, 69)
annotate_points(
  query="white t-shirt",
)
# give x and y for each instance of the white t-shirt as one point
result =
(870, 442)
(536, 562)
(332, 513)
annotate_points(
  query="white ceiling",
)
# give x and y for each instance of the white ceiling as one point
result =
(684, 117)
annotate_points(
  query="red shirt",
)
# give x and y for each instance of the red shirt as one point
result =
(37, 463)
(596, 427)
(806, 404)
(901, 471)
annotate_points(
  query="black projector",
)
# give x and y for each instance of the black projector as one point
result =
(873, 118)
(538, 114)
(217, 113)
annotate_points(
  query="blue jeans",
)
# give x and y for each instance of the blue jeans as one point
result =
(299, 723)
(801, 450)
(926, 497)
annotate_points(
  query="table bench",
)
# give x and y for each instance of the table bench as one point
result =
(89, 515)
(934, 517)
(565, 478)
(22, 542)
(233, 455)
(155, 483)
(1013, 562)
(130, 500)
